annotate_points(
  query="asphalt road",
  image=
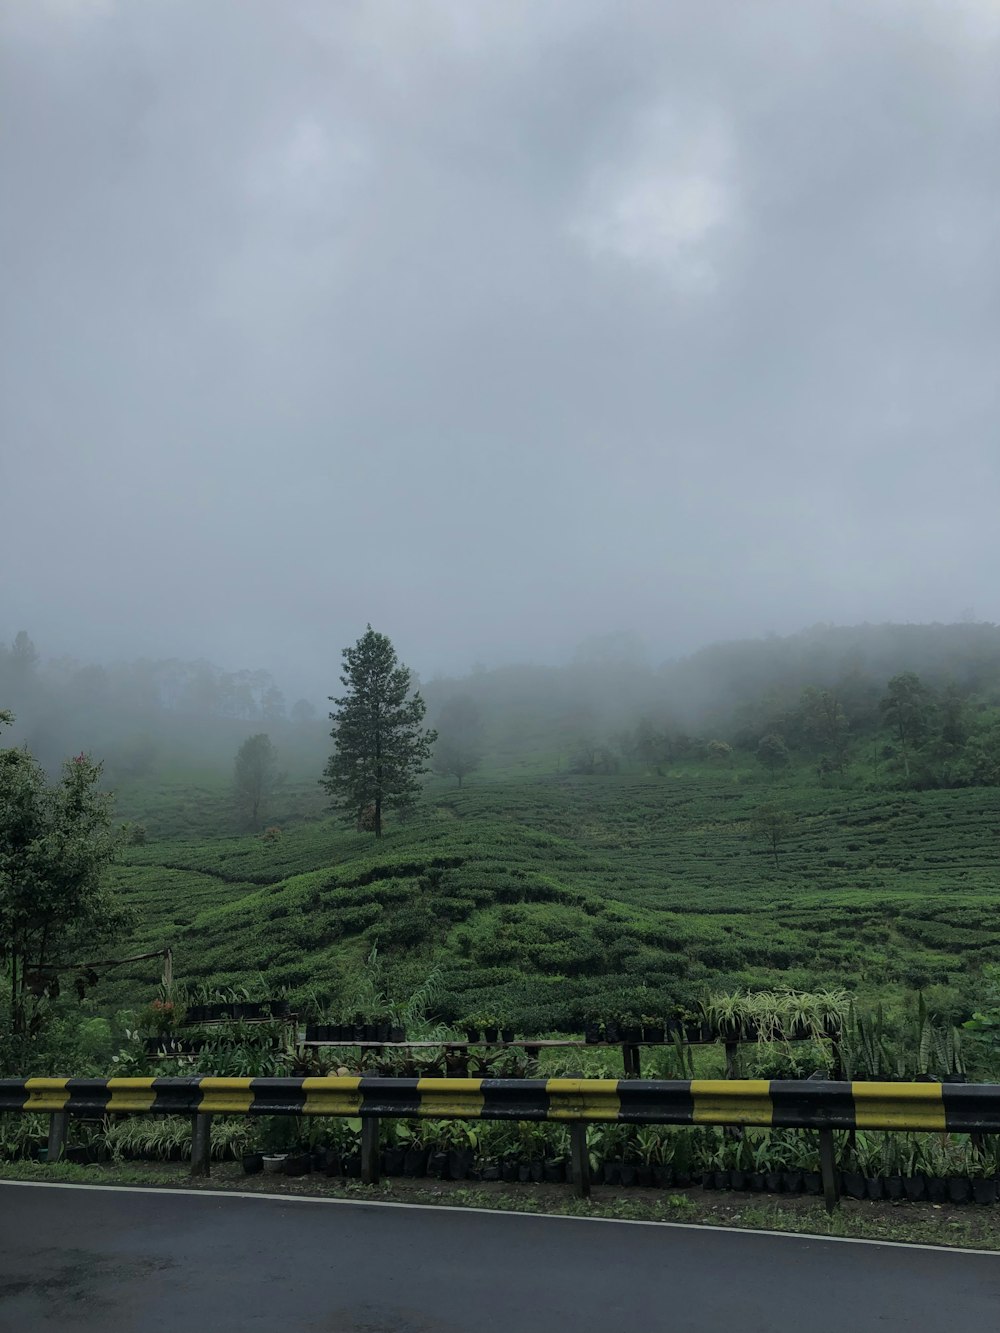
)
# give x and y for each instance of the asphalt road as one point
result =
(76, 1260)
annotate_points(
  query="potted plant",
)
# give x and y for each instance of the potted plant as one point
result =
(593, 1032)
(652, 1029)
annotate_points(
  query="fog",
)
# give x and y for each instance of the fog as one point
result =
(497, 325)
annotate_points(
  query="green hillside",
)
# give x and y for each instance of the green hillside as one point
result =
(554, 898)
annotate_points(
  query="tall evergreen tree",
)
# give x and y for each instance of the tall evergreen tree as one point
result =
(381, 748)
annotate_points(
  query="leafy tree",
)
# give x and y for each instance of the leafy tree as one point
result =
(56, 842)
(719, 751)
(591, 759)
(459, 749)
(272, 704)
(381, 748)
(907, 707)
(303, 712)
(772, 825)
(825, 722)
(772, 752)
(255, 779)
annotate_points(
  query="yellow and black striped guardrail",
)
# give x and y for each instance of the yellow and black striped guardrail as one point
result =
(800, 1104)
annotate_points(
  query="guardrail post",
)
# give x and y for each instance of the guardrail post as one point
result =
(828, 1169)
(579, 1158)
(201, 1144)
(58, 1129)
(732, 1054)
(369, 1149)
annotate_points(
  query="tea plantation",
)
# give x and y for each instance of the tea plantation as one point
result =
(551, 899)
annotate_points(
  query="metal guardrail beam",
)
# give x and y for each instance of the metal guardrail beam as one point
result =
(793, 1104)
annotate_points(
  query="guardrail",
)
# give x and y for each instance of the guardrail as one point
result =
(785, 1104)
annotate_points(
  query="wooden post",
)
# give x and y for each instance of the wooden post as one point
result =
(631, 1061)
(369, 1149)
(579, 1158)
(828, 1169)
(201, 1144)
(732, 1050)
(58, 1129)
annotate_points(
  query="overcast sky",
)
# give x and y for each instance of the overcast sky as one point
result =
(498, 324)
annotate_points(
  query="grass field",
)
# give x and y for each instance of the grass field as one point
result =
(551, 898)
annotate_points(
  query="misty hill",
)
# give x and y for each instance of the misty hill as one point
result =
(146, 716)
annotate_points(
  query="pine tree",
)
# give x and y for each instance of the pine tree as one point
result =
(380, 747)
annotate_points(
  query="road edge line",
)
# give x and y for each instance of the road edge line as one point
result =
(491, 1212)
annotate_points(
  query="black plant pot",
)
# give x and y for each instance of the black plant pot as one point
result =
(755, 1181)
(471, 1034)
(612, 1032)
(652, 1034)
(397, 1035)
(508, 1034)
(737, 1180)
(383, 1030)
(297, 1164)
(491, 1035)
(629, 1173)
(536, 1171)
(663, 1175)
(253, 1163)
(876, 1188)
(369, 1032)
(632, 1035)
(644, 1175)
(772, 1182)
(415, 1163)
(959, 1189)
(523, 1173)
(792, 1181)
(312, 1032)
(854, 1185)
(984, 1191)
(393, 1160)
(708, 1180)
(894, 1189)
(459, 1164)
(490, 1171)
(592, 1033)
(915, 1187)
(352, 1166)
(937, 1189)
(813, 1182)
(555, 1170)
(334, 1163)
(509, 1169)
(279, 1008)
(437, 1165)
(612, 1172)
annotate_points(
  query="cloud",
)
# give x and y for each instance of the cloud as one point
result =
(496, 324)
(664, 203)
